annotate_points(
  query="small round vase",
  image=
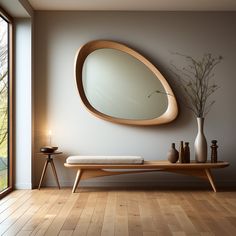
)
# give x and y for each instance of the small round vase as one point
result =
(200, 145)
(173, 154)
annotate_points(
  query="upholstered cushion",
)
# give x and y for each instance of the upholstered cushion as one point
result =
(104, 160)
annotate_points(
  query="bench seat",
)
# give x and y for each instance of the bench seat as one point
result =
(117, 160)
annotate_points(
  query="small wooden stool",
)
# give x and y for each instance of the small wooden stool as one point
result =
(47, 161)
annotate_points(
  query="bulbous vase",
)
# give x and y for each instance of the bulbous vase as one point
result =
(200, 144)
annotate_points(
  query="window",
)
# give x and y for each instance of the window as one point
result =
(5, 104)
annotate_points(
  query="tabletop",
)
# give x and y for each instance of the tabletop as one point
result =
(153, 165)
(50, 153)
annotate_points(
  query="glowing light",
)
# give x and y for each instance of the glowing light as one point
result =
(50, 136)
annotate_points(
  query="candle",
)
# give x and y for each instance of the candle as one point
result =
(50, 137)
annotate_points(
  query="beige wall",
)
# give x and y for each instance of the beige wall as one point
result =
(58, 35)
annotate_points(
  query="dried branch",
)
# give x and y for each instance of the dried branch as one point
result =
(196, 82)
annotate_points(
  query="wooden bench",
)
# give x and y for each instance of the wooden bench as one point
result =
(201, 170)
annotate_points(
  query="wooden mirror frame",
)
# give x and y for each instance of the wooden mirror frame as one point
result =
(172, 110)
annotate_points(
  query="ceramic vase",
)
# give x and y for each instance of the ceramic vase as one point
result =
(173, 154)
(200, 145)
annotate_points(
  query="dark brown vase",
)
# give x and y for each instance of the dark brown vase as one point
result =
(173, 154)
(181, 152)
(214, 147)
(186, 153)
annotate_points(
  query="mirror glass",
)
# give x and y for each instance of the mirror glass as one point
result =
(121, 86)
(118, 84)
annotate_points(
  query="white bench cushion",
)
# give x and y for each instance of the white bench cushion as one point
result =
(104, 160)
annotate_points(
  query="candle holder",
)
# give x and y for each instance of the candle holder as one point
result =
(48, 149)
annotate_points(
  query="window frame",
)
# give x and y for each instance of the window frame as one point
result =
(10, 187)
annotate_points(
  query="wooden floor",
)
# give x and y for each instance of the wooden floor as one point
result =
(118, 212)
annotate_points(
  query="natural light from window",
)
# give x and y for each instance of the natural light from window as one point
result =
(3, 104)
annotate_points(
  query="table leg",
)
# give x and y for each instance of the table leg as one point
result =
(210, 178)
(43, 174)
(77, 179)
(54, 172)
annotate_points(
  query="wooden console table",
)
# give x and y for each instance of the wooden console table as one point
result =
(201, 170)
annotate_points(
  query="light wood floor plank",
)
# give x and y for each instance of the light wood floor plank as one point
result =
(146, 215)
(11, 209)
(73, 217)
(230, 205)
(196, 219)
(86, 215)
(168, 213)
(96, 223)
(59, 220)
(150, 234)
(65, 233)
(232, 220)
(161, 226)
(219, 206)
(179, 234)
(184, 220)
(134, 219)
(9, 201)
(24, 233)
(108, 227)
(13, 194)
(121, 216)
(205, 213)
(107, 212)
(38, 216)
(52, 212)
(31, 207)
(207, 234)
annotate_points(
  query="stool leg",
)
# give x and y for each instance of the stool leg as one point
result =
(77, 179)
(54, 172)
(43, 173)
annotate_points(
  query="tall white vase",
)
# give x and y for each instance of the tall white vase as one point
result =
(200, 145)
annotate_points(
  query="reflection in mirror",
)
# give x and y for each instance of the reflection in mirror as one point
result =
(116, 84)
(119, 85)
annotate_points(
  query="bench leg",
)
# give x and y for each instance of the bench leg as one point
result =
(200, 173)
(77, 179)
(210, 178)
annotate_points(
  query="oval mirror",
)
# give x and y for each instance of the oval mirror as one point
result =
(118, 84)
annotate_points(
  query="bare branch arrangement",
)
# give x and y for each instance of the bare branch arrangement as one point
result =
(196, 81)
